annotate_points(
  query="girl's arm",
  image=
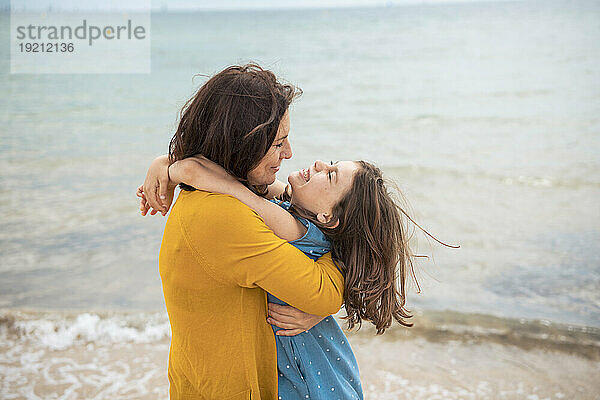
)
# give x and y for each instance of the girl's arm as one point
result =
(203, 174)
(156, 194)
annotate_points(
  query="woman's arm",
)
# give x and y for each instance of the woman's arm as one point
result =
(232, 243)
(203, 174)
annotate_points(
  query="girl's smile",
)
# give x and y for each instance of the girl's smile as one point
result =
(305, 174)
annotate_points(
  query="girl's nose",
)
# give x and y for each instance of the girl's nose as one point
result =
(320, 165)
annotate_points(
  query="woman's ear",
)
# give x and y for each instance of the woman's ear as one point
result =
(324, 218)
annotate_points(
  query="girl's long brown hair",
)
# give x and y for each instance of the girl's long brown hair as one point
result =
(370, 245)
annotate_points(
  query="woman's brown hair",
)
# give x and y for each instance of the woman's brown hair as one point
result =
(233, 119)
(370, 245)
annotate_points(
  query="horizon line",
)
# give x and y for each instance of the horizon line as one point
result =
(275, 7)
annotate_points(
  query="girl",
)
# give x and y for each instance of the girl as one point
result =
(345, 208)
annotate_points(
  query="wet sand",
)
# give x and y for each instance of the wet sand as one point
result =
(394, 367)
(424, 370)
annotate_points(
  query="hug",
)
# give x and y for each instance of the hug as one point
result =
(252, 269)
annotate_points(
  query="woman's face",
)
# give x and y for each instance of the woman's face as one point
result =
(264, 172)
(321, 186)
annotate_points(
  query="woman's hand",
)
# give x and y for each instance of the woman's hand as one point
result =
(291, 320)
(156, 192)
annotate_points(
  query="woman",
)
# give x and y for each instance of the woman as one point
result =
(218, 259)
(323, 209)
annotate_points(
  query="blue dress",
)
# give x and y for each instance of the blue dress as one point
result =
(318, 364)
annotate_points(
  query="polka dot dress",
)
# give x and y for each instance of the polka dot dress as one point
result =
(318, 364)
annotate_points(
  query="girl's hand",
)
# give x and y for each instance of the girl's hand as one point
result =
(292, 320)
(157, 192)
(144, 206)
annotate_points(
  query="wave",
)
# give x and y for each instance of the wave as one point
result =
(451, 326)
(61, 330)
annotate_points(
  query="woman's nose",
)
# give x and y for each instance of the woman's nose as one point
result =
(287, 150)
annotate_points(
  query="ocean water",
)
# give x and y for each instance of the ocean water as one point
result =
(487, 116)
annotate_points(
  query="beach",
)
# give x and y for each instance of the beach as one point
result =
(485, 114)
(92, 356)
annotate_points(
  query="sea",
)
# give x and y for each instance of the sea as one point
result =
(486, 115)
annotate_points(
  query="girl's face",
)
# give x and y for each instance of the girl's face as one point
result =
(321, 186)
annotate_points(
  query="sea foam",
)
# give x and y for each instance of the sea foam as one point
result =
(59, 331)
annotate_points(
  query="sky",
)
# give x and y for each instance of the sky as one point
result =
(207, 4)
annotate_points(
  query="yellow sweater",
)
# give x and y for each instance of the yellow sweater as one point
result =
(217, 261)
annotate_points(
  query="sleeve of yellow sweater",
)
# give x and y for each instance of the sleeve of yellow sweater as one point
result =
(233, 242)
